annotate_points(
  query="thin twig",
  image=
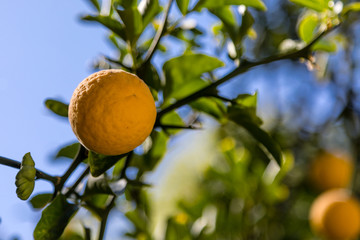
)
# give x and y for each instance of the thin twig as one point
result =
(39, 174)
(126, 165)
(104, 218)
(160, 32)
(243, 67)
(78, 181)
(166, 126)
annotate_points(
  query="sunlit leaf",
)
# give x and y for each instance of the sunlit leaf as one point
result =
(317, 5)
(100, 163)
(25, 178)
(308, 26)
(57, 107)
(327, 45)
(68, 151)
(183, 5)
(351, 7)
(149, 9)
(54, 219)
(110, 23)
(258, 4)
(133, 23)
(39, 201)
(172, 118)
(183, 74)
(211, 106)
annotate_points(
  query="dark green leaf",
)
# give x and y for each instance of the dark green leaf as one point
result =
(110, 23)
(317, 5)
(150, 76)
(157, 150)
(54, 219)
(100, 163)
(149, 10)
(68, 151)
(39, 201)
(133, 23)
(57, 107)
(183, 5)
(183, 74)
(211, 106)
(241, 117)
(258, 4)
(308, 26)
(25, 178)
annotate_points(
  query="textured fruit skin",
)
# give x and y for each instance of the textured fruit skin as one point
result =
(335, 215)
(112, 112)
(331, 170)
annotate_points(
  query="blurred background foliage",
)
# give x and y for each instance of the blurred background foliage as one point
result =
(224, 181)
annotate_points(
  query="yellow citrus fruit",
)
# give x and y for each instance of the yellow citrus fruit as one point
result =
(331, 170)
(112, 112)
(335, 215)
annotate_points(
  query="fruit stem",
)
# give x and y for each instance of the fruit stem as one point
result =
(78, 181)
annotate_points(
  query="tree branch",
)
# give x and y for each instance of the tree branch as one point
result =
(160, 32)
(243, 67)
(39, 174)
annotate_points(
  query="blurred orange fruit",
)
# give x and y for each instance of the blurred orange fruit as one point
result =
(331, 170)
(335, 215)
(112, 112)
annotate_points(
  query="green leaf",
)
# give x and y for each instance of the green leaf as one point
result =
(110, 23)
(308, 26)
(68, 151)
(317, 5)
(172, 118)
(57, 107)
(183, 6)
(25, 178)
(326, 45)
(228, 19)
(213, 107)
(39, 201)
(149, 10)
(133, 23)
(257, 4)
(54, 219)
(351, 7)
(157, 151)
(150, 76)
(241, 117)
(99, 163)
(183, 74)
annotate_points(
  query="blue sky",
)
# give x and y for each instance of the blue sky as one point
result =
(45, 51)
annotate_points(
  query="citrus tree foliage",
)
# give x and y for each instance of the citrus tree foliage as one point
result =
(239, 196)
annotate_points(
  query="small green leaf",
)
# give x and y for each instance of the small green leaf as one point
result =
(241, 117)
(228, 19)
(172, 118)
(133, 23)
(317, 5)
(351, 7)
(110, 23)
(99, 163)
(257, 4)
(39, 201)
(57, 107)
(308, 26)
(68, 151)
(25, 178)
(211, 106)
(183, 5)
(54, 219)
(183, 74)
(327, 45)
